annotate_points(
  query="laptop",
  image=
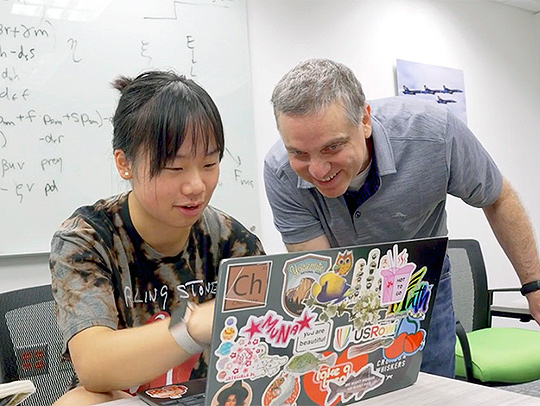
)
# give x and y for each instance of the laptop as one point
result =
(327, 328)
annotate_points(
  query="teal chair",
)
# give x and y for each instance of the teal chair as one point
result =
(485, 354)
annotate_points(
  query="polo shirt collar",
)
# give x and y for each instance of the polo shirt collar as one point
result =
(384, 154)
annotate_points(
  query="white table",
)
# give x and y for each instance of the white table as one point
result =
(429, 390)
(434, 390)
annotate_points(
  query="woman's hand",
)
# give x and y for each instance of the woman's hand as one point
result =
(200, 322)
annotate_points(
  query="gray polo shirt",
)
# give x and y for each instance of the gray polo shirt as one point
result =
(422, 153)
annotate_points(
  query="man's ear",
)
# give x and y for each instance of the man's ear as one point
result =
(366, 121)
(123, 165)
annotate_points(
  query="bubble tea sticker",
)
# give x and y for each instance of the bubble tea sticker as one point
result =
(396, 273)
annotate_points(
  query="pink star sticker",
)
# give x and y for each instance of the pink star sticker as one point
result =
(253, 329)
(304, 322)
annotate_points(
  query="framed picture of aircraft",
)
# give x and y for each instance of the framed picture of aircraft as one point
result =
(437, 83)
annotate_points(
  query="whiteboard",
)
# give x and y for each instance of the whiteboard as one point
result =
(57, 60)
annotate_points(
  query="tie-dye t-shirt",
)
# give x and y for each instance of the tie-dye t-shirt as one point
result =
(104, 274)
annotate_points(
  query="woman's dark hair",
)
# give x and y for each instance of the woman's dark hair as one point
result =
(158, 111)
(235, 389)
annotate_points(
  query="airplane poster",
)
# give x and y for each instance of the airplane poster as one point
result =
(437, 83)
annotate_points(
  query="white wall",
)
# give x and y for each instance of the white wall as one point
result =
(495, 45)
(18, 272)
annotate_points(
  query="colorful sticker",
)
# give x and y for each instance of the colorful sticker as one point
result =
(167, 392)
(396, 273)
(316, 383)
(410, 339)
(356, 385)
(330, 289)
(282, 391)
(366, 275)
(246, 286)
(343, 263)
(369, 347)
(244, 359)
(317, 339)
(361, 307)
(230, 330)
(416, 299)
(275, 330)
(238, 393)
(300, 274)
(300, 364)
(344, 335)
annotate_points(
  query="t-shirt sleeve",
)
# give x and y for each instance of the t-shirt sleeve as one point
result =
(81, 280)
(473, 175)
(243, 243)
(293, 217)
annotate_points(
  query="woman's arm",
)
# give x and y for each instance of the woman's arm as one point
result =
(107, 360)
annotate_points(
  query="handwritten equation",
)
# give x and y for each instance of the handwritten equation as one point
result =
(48, 129)
(32, 149)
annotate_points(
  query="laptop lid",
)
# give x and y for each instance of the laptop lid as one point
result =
(325, 327)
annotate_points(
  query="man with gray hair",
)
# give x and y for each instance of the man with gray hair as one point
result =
(348, 172)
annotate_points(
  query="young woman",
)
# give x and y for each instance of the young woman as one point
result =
(122, 266)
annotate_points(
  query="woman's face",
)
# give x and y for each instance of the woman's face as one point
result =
(174, 199)
(231, 400)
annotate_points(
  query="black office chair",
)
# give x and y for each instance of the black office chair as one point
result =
(494, 356)
(31, 344)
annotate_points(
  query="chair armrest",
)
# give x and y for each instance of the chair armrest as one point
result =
(462, 337)
(504, 290)
(508, 311)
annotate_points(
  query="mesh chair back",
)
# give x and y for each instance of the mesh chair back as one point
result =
(31, 344)
(469, 284)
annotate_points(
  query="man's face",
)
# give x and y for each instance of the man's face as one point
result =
(326, 149)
